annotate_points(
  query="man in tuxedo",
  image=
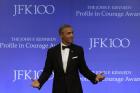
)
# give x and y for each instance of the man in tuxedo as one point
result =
(66, 60)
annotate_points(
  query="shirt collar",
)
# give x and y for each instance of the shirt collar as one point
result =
(62, 44)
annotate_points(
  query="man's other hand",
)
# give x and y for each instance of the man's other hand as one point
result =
(100, 77)
(35, 84)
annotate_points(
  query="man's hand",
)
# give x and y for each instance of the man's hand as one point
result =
(100, 77)
(35, 84)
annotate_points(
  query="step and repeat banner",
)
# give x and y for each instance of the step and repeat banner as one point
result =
(108, 30)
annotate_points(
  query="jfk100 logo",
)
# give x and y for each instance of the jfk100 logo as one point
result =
(27, 75)
(33, 10)
(109, 43)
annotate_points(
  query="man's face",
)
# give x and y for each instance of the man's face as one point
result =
(67, 35)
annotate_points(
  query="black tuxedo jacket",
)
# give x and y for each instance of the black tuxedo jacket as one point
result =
(68, 82)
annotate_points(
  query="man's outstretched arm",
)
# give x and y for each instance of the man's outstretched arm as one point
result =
(86, 72)
(47, 71)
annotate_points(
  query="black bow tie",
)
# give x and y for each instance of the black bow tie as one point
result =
(63, 47)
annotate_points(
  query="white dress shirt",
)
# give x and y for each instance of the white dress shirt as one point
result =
(65, 55)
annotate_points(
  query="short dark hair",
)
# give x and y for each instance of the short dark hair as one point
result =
(63, 27)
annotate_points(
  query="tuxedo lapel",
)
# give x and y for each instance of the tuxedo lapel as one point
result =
(70, 57)
(59, 57)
